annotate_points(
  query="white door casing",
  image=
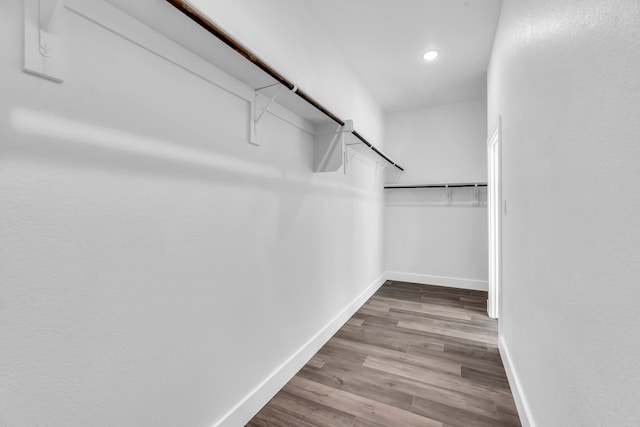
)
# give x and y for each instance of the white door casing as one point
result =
(494, 192)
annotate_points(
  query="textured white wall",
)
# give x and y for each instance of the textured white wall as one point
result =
(156, 267)
(564, 77)
(440, 144)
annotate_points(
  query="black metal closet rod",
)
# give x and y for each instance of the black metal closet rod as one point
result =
(378, 152)
(390, 187)
(205, 23)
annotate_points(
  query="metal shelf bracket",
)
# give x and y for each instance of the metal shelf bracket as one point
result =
(256, 115)
(380, 168)
(447, 195)
(476, 196)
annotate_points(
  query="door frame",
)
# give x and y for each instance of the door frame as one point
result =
(494, 205)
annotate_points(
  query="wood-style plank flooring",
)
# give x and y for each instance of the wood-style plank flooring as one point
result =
(413, 355)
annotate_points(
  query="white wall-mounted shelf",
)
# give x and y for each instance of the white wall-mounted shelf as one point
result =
(470, 194)
(439, 185)
(331, 150)
(220, 60)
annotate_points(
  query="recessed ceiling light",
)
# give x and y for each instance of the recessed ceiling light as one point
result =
(430, 55)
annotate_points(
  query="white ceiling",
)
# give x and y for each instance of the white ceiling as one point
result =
(384, 41)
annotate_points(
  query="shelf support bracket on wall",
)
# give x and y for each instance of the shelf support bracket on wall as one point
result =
(329, 149)
(476, 196)
(447, 195)
(43, 44)
(256, 116)
(348, 156)
(380, 168)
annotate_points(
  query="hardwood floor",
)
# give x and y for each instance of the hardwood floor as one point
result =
(413, 355)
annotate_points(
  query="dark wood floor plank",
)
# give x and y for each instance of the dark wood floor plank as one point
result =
(428, 363)
(484, 352)
(355, 322)
(364, 423)
(413, 355)
(379, 337)
(387, 386)
(353, 379)
(487, 378)
(491, 366)
(317, 361)
(311, 411)
(441, 330)
(376, 320)
(434, 316)
(438, 379)
(452, 415)
(359, 406)
(273, 416)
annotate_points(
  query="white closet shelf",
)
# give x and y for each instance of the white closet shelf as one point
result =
(235, 59)
(447, 189)
(439, 185)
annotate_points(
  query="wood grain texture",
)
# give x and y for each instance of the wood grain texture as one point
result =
(413, 355)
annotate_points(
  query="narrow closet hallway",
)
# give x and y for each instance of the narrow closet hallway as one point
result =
(297, 213)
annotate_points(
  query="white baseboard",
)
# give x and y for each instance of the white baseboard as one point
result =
(260, 396)
(524, 411)
(425, 279)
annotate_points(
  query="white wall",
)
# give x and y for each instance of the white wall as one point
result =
(425, 241)
(445, 143)
(156, 267)
(564, 77)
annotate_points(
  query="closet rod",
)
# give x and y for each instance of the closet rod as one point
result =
(212, 28)
(378, 152)
(480, 184)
